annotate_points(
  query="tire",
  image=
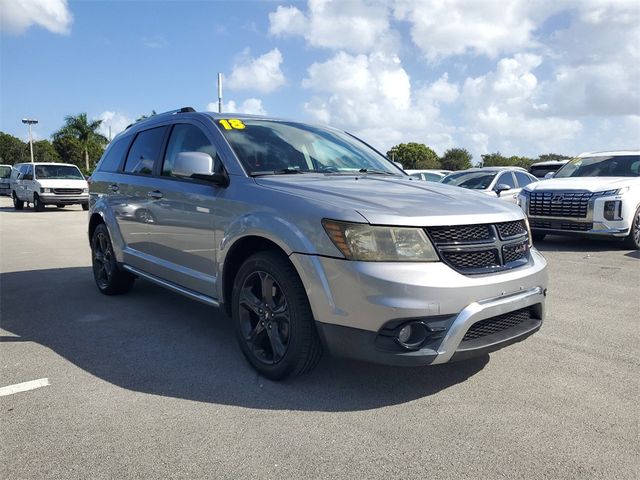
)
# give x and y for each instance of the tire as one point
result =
(538, 237)
(38, 206)
(110, 279)
(60, 206)
(17, 204)
(272, 317)
(85, 206)
(632, 240)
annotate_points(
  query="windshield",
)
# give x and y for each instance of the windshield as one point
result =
(473, 180)
(268, 147)
(58, 172)
(541, 170)
(618, 166)
(5, 171)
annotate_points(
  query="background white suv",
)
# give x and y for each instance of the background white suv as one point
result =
(595, 194)
(44, 184)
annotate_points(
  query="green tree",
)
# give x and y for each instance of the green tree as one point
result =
(13, 150)
(414, 156)
(83, 130)
(546, 157)
(43, 151)
(456, 159)
(493, 160)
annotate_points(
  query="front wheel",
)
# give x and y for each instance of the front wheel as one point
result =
(633, 239)
(110, 279)
(85, 206)
(272, 317)
(38, 206)
(17, 204)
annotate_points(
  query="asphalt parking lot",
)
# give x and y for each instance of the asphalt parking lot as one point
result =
(152, 385)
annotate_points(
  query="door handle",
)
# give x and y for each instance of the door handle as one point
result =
(155, 194)
(114, 187)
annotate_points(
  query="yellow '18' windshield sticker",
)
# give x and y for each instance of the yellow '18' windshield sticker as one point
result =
(231, 124)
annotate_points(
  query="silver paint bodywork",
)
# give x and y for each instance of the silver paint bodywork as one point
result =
(183, 238)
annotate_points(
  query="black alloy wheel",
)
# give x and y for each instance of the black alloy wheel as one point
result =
(110, 279)
(272, 317)
(17, 204)
(264, 317)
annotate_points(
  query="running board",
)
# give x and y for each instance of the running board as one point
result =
(172, 286)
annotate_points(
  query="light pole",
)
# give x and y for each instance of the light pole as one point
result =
(30, 121)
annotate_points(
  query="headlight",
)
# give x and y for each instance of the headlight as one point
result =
(45, 190)
(85, 190)
(360, 241)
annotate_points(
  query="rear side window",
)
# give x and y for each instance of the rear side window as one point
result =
(523, 179)
(145, 151)
(186, 138)
(114, 155)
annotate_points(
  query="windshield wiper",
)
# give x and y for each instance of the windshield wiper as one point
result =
(374, 172)
(284, 171)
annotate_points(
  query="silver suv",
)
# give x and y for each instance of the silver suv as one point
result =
(311, 240)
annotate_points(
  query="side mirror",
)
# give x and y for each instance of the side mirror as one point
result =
(549, 175)
(198, 165)
(502, 187)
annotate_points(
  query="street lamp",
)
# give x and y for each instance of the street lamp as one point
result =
(30, 121)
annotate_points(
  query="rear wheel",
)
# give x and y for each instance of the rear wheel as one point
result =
(272, 317)
(633, 239)
(85, 206)
(110, 279)
(38, 206)
(17, 204)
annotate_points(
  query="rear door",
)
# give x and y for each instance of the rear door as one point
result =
(130, 196)
(182, 215)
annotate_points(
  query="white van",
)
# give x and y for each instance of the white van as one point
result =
(45, 184)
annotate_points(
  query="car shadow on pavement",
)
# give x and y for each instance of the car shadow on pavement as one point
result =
(154, 341)
(554, 243)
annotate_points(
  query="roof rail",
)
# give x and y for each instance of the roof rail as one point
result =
(170, 112)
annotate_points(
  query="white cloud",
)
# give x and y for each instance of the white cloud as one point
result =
(371, 96)
(252, 106)
(262, 74)
(18, 15)
(358, 26)
(117, 121)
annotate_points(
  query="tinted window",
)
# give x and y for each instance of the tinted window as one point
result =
(58, 172)
(145, 151)
(541, 170)
(615, 166)
(186, 138)
(523, 179)
(114, 155)
(506, 179)
(476, 180)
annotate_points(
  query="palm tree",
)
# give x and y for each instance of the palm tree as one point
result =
(85, 131)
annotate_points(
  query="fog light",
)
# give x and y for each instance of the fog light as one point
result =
(613, 210)
(412, 335)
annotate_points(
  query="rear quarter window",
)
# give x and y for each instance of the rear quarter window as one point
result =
(114, 156)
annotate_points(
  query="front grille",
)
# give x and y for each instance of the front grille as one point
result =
(483, 248)
(461, 234)
(511, 229)
(571, 226)
(471, 260)
(67, 191)
(559, 204)
(497, 324)
(513, 253)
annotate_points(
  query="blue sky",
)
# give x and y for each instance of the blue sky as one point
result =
(521, 77)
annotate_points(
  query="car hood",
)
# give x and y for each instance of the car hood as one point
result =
(387, 200)
(62, 183)
(591, 184)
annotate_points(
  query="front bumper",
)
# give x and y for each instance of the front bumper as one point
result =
(52, 199)
(355, 305)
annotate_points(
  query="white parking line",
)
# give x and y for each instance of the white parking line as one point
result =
(23, 387)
